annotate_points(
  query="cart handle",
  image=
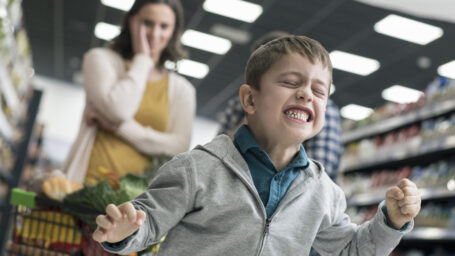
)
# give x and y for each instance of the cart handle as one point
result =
(22, 197)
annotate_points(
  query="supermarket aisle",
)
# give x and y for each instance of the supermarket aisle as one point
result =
(42, 42)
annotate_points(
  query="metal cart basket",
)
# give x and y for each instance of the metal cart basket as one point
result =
(41, 226)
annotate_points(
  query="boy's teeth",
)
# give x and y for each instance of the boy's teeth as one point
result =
(299, 115)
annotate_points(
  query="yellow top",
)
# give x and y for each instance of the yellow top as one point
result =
(116, 155)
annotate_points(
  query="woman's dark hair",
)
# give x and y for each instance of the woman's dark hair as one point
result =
(122, 44)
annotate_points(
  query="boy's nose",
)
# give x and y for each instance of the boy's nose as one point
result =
(304, 93)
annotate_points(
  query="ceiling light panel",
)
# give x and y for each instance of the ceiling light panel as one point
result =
(106, 31)
(124, 5)
(401, 94)
(447, 70)
(206, 42)
(355, 112)
(407, 29)
(236, 35)
(189, 68)
(353, 63)
(234, 9)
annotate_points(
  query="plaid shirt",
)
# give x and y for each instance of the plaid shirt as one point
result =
(325, 147)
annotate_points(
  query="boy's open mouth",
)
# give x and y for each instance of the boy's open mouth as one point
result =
(300, 113)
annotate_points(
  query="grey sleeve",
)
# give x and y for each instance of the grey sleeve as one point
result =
(169, 197)
(342, 237)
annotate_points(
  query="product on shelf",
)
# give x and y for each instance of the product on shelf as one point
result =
(441, 89)
(437, 175)
(431, 135)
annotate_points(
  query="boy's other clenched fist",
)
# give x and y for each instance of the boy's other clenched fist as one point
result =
(402, 202)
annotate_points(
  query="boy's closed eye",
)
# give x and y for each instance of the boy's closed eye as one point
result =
(319, 91)
(290, 83)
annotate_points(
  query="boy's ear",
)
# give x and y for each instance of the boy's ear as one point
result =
(246, 98)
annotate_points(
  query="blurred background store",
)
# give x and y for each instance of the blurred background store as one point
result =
(394, 81)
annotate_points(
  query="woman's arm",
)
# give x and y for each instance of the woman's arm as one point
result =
(114, 93)
(177, 138)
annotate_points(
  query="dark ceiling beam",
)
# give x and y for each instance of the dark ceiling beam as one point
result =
(59, 60)
(99, 16)
(317, 18)
(196, 19)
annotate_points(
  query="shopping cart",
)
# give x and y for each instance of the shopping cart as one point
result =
(42, 226)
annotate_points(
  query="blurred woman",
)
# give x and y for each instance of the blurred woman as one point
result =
(135, 109)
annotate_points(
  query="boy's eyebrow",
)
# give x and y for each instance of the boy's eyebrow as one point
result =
(291, 73)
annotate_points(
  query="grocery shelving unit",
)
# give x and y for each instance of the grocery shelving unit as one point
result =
(439, 147)
(19, 104)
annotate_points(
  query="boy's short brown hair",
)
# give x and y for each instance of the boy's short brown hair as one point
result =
(268, 54)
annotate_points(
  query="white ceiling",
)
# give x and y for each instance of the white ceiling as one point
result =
(443, 10)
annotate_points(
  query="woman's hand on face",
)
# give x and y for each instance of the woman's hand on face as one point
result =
(92, 117)
(139, 36)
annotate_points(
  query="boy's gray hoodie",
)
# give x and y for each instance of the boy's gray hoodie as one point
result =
(206, 201)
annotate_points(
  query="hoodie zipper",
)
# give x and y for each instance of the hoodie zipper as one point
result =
(264, 235)
(267, 220)
(258, 199)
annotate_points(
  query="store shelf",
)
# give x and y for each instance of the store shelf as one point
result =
(436, 193)
(379, 195)
(367, 199)
(427, 154)
(427, 234)
(433, 110)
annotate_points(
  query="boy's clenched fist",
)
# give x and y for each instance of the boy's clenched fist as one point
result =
(402, 202)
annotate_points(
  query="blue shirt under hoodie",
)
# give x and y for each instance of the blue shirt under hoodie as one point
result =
(271, 184)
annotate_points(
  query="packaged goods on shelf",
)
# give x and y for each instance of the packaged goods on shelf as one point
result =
(434, 134)
(439, 90)
(437, 177)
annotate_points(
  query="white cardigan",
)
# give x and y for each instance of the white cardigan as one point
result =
(116, 93)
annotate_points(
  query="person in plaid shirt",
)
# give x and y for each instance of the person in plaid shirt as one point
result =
(325, 147)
